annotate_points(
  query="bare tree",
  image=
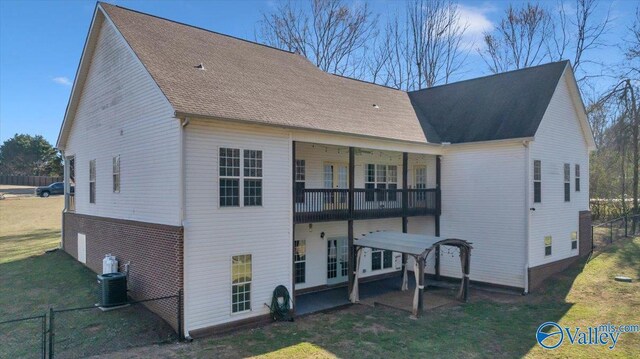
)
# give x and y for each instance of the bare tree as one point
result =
(519, 40)
(436, 37)
(633, 46)
(331, 34)
(532, 34)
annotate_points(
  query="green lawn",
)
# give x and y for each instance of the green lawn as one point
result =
(489, 326)
(32, 281)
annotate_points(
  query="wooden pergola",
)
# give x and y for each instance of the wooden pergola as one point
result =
(417, 246)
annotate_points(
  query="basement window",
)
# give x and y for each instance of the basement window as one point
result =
(567, 182)
(547, 246)
(241, 283)
(574, 240)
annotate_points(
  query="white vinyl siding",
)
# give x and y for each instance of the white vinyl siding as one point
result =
(122, 112)
(483, 201)
(214, 234)
(558, 141)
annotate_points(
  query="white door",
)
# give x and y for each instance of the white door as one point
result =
(82, 248)
(336, 176)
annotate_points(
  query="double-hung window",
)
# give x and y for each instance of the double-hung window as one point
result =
(547, 245)
(92, 181)
(382, 178)
(381, 259)
(116, 174)
(240, 176)
(574, 240)
(241, 283)
(577, 175)
(300, 180)
(537, 181)
(567, 182)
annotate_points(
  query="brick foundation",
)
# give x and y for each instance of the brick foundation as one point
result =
(584, 223)
(537, 275)
(154, 251)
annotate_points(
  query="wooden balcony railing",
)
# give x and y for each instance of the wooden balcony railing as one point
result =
(318, 205)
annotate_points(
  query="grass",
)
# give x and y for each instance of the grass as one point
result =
(489, 326)
(32, 281)
(29, 226)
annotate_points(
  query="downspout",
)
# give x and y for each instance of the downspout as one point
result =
(65, 180)
(527, 214)
(183, 222)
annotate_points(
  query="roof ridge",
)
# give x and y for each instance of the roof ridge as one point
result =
(491, 75)
(364, 81)
(198, 28)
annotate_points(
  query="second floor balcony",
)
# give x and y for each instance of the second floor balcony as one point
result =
(321, 205)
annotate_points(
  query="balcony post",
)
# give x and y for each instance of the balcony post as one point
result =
(437, 219)
(405, 193)
(438, 197)
(352, 257)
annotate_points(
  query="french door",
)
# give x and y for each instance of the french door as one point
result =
(336, 176)
(337, 260)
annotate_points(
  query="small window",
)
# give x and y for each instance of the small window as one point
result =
(300, 180)
(92, 181)
(547, 245)
(116, 174)
(381, 259)
(567, 182)
(574, 240)
(241, 283)
(300, 260)
(577, 178)
(537, 181)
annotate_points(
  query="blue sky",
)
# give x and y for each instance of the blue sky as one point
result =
(41, 43)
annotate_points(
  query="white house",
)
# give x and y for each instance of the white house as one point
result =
(224, 168)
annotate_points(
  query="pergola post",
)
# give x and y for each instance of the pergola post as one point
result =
(467, 255)
(420, 308)
(437, 262)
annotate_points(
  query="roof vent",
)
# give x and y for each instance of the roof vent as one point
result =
(375, 106)
(200, 67)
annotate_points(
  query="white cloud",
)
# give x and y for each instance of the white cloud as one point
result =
(477, 23)
(62, 80)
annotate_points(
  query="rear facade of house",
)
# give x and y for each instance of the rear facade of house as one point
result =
(261, 170)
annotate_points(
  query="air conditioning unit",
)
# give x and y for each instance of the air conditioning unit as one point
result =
(113, 289)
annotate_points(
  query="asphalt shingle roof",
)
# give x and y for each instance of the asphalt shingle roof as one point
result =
(246, 81)
(497, 107)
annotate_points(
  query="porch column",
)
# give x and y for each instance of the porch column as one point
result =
(351, 265)
(437, 219)
(438, 196)
(405, 197)
(293, 227)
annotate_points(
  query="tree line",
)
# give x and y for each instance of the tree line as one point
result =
(423, 45)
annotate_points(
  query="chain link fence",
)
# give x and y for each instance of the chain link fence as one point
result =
(24, 337)
(87, 331)
(606, 233)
